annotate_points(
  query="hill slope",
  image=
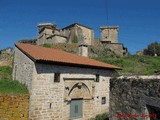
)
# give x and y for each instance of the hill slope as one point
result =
(134, 65)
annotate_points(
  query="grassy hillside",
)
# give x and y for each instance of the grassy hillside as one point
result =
(138, 65)
(12, 87)
(9, 86)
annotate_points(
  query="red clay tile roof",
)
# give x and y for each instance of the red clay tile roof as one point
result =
(50, 55)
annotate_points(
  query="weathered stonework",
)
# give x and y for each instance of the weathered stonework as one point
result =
(23, 68)
(109, 33)
(51, 100)
(80, 35)
(136, 97)
(70, 34)
(83, 50)
(14, 107)
(45, 92)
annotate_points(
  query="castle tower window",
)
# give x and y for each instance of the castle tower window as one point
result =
(103, 100)
(57, 77)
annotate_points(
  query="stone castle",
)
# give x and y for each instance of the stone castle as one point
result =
(79, 35)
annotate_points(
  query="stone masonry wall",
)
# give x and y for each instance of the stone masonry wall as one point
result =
(48, 101)
(23, 68)
(109, 33)
(88, 35)
(132, 98)
(14, 107)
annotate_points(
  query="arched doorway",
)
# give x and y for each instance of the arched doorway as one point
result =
(78, 93)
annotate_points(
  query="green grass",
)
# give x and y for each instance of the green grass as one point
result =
(8, 86)
(5, 72)
(12, 87)
(138, 65)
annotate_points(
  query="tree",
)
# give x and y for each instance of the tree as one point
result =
(153, 49)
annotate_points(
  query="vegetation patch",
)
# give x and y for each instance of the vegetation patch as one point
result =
(5, 72)
(103, 116)
(153, 49)
(47, 45)
(133, 64)
(8, 86)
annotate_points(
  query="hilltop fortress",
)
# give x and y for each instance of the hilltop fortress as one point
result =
(81, 37)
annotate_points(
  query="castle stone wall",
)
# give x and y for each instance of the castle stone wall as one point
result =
(87, 35)
(56, 40)
(109, 33)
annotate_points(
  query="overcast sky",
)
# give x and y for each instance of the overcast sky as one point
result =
(139, 20)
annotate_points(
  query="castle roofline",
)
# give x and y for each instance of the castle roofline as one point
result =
(46, 24)
(76, 24)
(109, 27)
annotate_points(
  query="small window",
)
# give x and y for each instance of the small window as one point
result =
(97, 77)
(103, 100)
(57, 77)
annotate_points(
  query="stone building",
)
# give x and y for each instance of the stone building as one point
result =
(77, 34)
(62, 85)
(48, 33)
(109, 34)
(109, 40)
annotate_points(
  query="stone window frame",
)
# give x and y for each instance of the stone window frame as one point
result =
(56, 77)
(103, 100)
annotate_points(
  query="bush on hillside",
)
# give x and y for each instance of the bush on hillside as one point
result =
(153, 49)
(47, 45)
(103, 116)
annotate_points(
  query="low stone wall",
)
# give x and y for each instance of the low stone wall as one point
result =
(14, 107)
(135, 98)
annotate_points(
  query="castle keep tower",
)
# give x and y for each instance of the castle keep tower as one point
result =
(45, 30)
(109, 34)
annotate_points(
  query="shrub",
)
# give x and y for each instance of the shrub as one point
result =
(75, 39)
(103, 116)
(153, 49)
(47, 45)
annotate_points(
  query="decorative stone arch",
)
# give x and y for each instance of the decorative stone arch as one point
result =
(79, 90)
